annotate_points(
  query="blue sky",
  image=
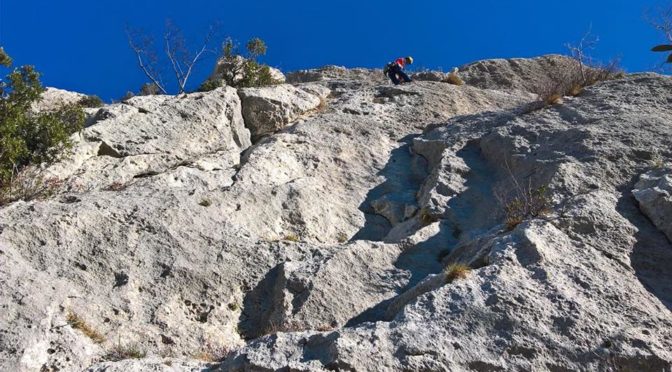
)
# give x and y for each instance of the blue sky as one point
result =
(81, 45)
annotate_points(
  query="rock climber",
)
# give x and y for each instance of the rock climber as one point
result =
(395, 70)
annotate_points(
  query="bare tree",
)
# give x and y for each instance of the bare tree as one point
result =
(580, 51)
(661, 20)
(569, 79)
(148, 61)
(181, 60)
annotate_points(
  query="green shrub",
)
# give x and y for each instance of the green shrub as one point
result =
(5, 60)
(209, 85)
(245, 71)
(149, 89)
(127, 96)
(27, 137)
(91, 102)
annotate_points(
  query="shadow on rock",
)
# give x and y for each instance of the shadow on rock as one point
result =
(258, 306)
(404, 174)
(651, 256)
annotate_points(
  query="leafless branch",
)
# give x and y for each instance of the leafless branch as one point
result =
(580, 51)
(660, 18)
(147, 61)
(179, 56)
(175, 48)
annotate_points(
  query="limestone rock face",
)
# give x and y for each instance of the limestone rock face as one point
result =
(52, 99)
(654, 194)
(335, 73)
(522, 74)
(149, 135)
(330, 243)
(551, 293)
(429, 76)
(269, 109)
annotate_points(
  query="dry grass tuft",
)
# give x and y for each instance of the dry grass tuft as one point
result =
(291, 237)
(553, 99)
(341, 237)
(79, 323)
(453, 78)
(119, 353)
(29, 185)
(116, 186)
(212, 353)
(571, 80)
(529, 204)
(323, 105)
(426, 218)
(457, 271)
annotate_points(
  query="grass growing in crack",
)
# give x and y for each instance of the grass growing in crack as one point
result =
(520, 202)
(116, 186)
(122, 352)
(529, 203)
(658, 162)
(291, 237)
(80, 324)
(341, 237)
(29, 185)
(426, 218)
(323, 105)
(456, 271)
(212, 353)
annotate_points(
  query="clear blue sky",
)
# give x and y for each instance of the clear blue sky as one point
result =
(80, 45)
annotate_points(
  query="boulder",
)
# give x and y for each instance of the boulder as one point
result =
(267, 110)
(653, 192)
(53, 99)
(337, 73)
(523, 74)
(148, 135)
(429, 76)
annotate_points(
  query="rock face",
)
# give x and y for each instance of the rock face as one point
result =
(52, 99)
(429, 76)
(335, 73)
(331, 243)
(513, 74)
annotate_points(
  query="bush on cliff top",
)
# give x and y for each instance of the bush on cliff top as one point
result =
(28, 137)
(240, 71)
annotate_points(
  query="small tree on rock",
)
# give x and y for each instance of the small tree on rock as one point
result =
(237, 70)
(29, 137)
(5, 60)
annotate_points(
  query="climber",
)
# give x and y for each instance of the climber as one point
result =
(395, 70)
